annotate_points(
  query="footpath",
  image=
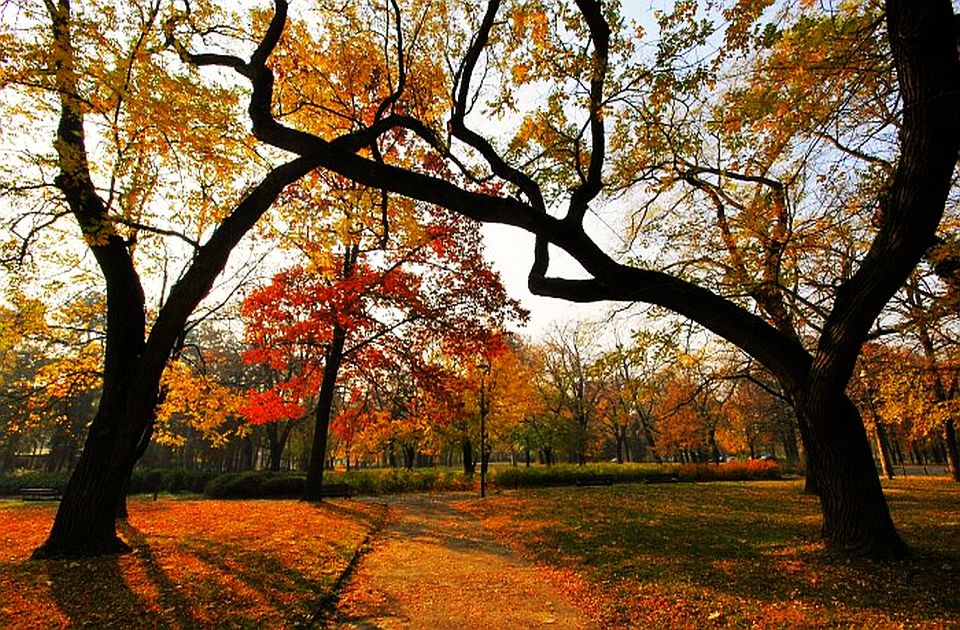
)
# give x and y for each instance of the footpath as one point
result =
(432, 566)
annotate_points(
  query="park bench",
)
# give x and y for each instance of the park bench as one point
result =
(597, 480)
(661, 478)
(334, 490)
(40, 494)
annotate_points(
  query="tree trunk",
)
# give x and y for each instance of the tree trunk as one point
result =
(312, 489)
(246, 453)
(950, 443)
(790, 448)
(650, 440)
(714, 447)
(277, 438)
(856, 520)
(276, 452)
(467, 448)
(883, 448)
(618, 437)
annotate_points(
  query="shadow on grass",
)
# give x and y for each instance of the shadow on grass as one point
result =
(744, 542)
(94, 592)
(275, 582)
(169, 599)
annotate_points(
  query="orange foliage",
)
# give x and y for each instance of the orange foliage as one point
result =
(194, 564)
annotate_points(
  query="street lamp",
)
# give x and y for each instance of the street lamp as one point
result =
(484, 367)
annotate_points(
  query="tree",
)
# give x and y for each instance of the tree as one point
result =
(195, 406)
(635, 376)
(571, 388)
(111, 72)
(930, 327)
(384, 304)
(572, 159)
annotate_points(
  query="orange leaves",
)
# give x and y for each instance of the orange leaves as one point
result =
(270, 406)
(195, 563)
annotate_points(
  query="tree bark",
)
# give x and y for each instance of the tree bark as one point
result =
(950, 443)
(313, 488)
(466, 447)
(856, 520)
(883, 448)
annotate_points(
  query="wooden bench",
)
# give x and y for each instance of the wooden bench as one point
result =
(661, 478)
(598, 480)
(40, 494)
(334, 490)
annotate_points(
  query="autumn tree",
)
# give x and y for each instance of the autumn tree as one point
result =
(571, 388)
(759, 420)
(64, 389)
(585, 48)
(22, 328)
(929, 309)
(129, 120)
(634, 376)
(385, 301)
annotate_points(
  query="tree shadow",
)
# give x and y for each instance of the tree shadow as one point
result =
(169, 598)
(737, 545)
(94, 592)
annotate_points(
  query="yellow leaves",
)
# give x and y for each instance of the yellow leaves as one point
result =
(198, 402)
(71, 375)
(530, 21)
(521, 72)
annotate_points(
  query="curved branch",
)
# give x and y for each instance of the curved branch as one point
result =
(600, 35)
(459, 129)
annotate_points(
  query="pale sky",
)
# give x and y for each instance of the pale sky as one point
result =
(510, 251)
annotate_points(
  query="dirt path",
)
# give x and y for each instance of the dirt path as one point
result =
(433, 567)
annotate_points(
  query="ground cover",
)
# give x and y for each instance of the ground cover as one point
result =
(732, 554)
(195, 563)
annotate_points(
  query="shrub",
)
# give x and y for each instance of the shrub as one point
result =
(243, 485)
(10, 483)
(398, 480)
(751, 469)
(570, 474)
(281, 486)
(150, 480)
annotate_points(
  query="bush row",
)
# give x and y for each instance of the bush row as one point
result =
(265, 484)
(143, 480)
(149, 480)
(10, 483)
(366, 482)
(393, 481)
(568, 474)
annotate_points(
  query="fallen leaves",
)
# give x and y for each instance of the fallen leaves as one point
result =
(731, 554)
(194, 563)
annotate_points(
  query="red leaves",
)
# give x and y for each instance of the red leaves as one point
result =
(269, 406)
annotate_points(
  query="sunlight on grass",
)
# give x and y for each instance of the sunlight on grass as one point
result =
(195, 563)
(740, 554)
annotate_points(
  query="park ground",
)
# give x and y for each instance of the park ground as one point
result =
(631, 555)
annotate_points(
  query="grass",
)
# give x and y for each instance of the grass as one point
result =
(196, 563)
(733, 554)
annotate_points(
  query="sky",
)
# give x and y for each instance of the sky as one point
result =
(510, 252)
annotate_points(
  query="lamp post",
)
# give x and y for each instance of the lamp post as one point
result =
(484, 366)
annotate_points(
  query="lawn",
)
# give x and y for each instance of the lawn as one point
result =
(732, 554)
(194, 563)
